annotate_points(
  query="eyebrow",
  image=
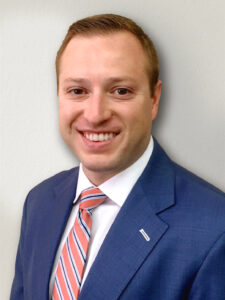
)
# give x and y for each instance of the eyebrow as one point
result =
(120, 79)
(77, 80)
(108, 80)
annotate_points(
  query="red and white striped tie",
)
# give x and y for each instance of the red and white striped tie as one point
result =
(73, 257)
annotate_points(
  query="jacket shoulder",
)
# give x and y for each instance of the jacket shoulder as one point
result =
(201, 202)
(196, 183)
(56, 179)
(46, 188)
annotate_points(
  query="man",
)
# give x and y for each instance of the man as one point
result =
(153, 230)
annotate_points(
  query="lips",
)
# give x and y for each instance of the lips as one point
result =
(99, 137)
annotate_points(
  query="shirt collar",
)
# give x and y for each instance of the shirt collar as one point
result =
(118, 187)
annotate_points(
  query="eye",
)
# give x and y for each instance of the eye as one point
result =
(77, 91)
(121, 91)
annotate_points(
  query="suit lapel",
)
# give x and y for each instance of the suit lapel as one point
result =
(59, 208)
(125, 248)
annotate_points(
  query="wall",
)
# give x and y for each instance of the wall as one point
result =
(189, 36)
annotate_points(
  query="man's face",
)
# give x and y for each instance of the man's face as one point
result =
(105, 104)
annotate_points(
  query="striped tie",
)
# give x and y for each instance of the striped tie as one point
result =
(73, 257)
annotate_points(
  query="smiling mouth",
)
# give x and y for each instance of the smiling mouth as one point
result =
(99, 137)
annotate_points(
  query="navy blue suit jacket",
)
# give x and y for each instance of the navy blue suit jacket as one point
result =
(183, 216)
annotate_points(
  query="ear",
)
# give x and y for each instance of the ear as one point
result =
(155, 99)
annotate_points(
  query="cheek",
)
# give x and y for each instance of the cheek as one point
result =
(141, 124)
(67, 113)
(139, 116)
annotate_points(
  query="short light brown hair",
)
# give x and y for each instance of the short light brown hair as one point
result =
(111, 23)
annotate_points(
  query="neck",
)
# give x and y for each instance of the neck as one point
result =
(97, 178)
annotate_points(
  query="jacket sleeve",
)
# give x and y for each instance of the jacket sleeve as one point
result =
(17, 291)
(210, 280)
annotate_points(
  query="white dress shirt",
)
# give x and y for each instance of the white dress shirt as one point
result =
(117, 190)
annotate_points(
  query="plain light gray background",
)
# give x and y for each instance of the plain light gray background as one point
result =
(189, 36)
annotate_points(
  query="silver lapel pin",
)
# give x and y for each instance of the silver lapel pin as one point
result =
(144, 234)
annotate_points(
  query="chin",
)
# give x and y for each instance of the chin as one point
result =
(98, 167)
(101, 165)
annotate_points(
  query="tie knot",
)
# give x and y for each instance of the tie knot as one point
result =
(91, 198)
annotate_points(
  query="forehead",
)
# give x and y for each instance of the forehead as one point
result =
(119, 50)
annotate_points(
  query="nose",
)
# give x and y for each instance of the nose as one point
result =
(97, 110)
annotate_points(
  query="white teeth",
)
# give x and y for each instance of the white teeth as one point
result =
(95, 137)
(108, 136)
(101, 137)
(98, 137)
